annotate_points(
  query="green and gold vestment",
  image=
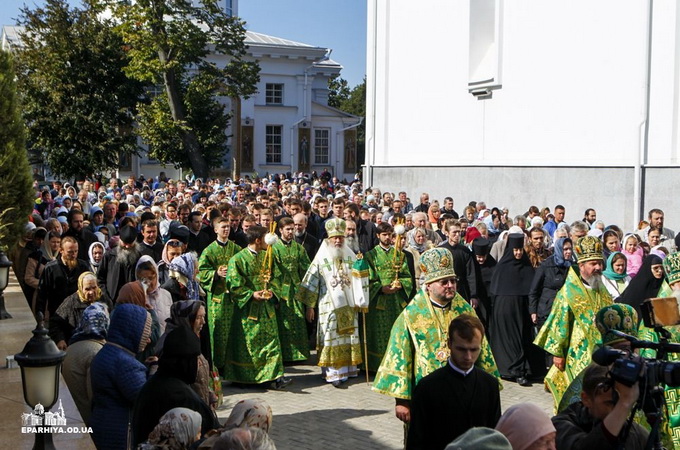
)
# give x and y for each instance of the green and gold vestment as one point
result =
(254, 350)
(290, 265)
(570, 331)
(220, 307)
(383, 309)
(415, 345)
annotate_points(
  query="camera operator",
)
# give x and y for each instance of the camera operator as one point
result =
(597, 421)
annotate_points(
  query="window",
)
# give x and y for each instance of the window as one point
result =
(229, 8)
(274, 94)
(321, 145)
(273, 142)
(485, 47)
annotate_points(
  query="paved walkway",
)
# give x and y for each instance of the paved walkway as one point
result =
(310, 414)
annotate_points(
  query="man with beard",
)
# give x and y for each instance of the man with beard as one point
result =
(59, 279)
(417, 345)
(330, 283)
(367, 234)
(76, 230)
(570, 333)
(118, 265)
(351, 235)
(303, 237)
(389, 288)
(290, 265)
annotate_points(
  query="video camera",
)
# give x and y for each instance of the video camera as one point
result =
(653, 374)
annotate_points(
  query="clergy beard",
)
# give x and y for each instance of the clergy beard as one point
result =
(594, 281)
(352, 243)
(335, 252)
(676, 294)
(128, 256)
(300, 234)
(70, 263)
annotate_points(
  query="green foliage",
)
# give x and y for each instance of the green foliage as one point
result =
(354, 102)
(196, 52)
(78, 104)
(205, 116)
(16, 191)
(338, 92)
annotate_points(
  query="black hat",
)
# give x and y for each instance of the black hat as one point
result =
(516, 240)
(179, 232)
(480, 246)
(128, 234)
(147, 216)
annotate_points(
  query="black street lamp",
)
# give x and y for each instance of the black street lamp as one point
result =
(40, 363)
(5, 264)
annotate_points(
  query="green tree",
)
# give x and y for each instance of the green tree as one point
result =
(175, 44)
(338, 92)
(16, 191)
(78, 103)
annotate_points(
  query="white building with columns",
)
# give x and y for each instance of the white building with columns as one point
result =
(527, 102)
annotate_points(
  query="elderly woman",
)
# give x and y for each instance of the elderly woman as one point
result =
(87, 340)
(177, 430)
(182, 283)
(68, 315)
(527, 427)
(247, 414)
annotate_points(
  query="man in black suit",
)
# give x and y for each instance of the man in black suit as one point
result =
(302, 237)
(456, 397)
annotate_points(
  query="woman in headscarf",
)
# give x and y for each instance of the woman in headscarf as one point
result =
(433, 214)
(615, 276)
(182, 283)
(96, 254)
(527, 427)
(160, 300)
(611, 241)
(135, 292)
(510, 331)
(549, 278)
(192, 314)
(51, 245)
(117, 377)
(88, 338)
(647, 284)
(68, 315)
(250, 413)
(417, 244)
(172, 249)
(177, 430)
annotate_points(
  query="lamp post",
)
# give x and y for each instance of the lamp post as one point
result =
(40, 363)
(5, 264)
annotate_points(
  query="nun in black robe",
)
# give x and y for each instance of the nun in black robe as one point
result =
(646, 284)
(510, 328)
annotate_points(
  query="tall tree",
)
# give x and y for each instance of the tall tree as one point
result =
(16, 192)
(78, 103)
(355, 103)
(171, 43)
(338, 91)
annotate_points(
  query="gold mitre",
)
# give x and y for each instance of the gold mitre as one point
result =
(588, 248)
(435, 264)
(335, 227)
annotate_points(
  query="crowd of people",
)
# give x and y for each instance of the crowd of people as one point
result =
(159, 290)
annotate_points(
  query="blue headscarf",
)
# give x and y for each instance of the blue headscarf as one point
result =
(185, 265)
(559, 253)
(488, 221)
(93, 325)
(609, 271)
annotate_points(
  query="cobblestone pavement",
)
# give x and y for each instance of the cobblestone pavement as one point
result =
(311, 414)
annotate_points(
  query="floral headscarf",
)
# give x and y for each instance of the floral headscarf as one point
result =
(253, 412)
(176, 430)
(93, 325)
(183, 268)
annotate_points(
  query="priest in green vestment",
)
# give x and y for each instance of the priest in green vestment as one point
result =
(389, 285)
(212, 275)
(254, 348)
(418, 340)
(569, 333)
(290, 265)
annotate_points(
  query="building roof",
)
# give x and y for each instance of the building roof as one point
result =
(259, 38)
(10, 36)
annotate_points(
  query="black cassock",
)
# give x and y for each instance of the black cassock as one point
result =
(446, 404)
